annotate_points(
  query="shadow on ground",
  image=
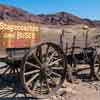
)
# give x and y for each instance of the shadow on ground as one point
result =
(11, 89)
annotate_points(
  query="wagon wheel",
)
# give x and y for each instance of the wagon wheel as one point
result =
(9, 69)
(91, 58)
(43, 69)
(84, 57)
(96, 67)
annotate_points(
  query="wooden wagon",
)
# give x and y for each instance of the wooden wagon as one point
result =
(41, 67)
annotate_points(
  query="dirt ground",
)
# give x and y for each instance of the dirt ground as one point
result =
(81, 89)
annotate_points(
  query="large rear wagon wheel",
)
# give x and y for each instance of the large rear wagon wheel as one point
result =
(43, 69)
(96, 67)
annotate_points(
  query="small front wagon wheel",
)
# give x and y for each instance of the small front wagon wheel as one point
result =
(43, 69)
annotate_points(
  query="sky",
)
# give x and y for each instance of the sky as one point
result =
(82, 8)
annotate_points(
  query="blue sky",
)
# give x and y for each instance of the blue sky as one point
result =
(83, 8)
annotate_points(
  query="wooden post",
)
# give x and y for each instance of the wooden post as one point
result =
(86, 40)
(73, 45)
(66, 49)
(61, 39)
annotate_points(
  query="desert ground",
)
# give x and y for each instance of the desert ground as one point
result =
(82, 89)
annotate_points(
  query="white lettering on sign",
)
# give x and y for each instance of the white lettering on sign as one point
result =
(24, 35)
(18, 35)
(9, 36)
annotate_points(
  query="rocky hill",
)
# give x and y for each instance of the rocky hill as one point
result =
(60, 18)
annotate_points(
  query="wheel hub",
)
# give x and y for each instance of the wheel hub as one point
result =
(45, 69)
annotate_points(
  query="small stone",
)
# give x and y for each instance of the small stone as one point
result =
(69, 89)
(54, 97)
(62, 93)
(77, 81)
(66, 84)
(74, 92)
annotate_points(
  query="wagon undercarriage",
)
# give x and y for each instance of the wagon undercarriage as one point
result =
(82, 55)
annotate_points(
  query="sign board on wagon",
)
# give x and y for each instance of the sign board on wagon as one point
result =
(18, 34)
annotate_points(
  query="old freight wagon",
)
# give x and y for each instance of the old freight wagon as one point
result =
(40, 65)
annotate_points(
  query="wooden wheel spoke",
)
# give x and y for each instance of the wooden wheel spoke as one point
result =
(17, 70)
(98, 60)
(46, 53)
(14, 70)
(37, 59)
(41, 85)
(56, 74)
(33, 78)
(51, 79)
(2, 67)
(51, 57)
(31, 72)
(98, 70)
(36, 84)
(57, 68)
(47, 83)
(96, 65)
(31, 64)
(47, 50)
(8, 68)
(54, 62)
(39, 53)
(11, 71)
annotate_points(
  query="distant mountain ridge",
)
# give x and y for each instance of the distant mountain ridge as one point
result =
(60, 18)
